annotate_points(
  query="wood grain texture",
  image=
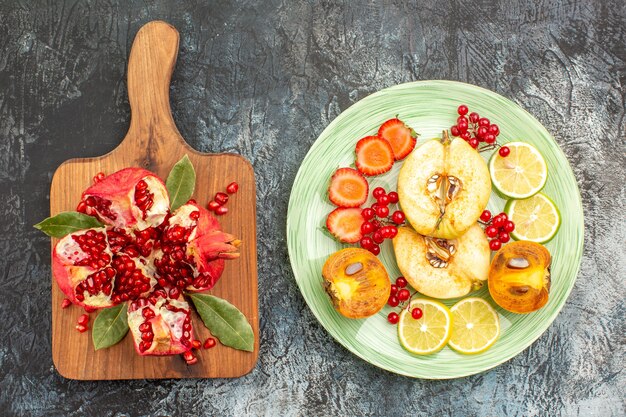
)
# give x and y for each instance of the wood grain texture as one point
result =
(153, 142)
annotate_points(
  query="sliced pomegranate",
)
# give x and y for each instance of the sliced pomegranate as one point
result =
(160, 326)
(132, 197)
(193, 250)
(81, 264)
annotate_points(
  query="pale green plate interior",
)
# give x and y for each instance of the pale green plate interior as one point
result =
(428, 107)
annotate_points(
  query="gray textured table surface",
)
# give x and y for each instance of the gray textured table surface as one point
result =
(263, 79)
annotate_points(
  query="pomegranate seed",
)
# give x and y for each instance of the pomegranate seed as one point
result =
(81, 328)
(495, 245)
(368, 213)
(82, 207)
(404, 294)
(174, 293)
(417, 313)
(394, 289)
(393, 317)
(504, 151)
(209, 343)
(144, 327)
(221, 210)
(462, 110)
(232, 188)
(393, 301)
(83, 319)
(213, 205)
(401, 282)
(196, 344)
(393, 197)
(194, 215)
(65, 303)
(485, 216)
(147, 336)
(221, 198)
(189, 357)
(378, 191)
(98, 177)
(147, 313)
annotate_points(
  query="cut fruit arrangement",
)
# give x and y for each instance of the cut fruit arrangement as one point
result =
(134, 248)
(443, 236)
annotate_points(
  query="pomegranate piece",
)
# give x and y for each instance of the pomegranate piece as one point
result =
(193, 250)
(81, 266)
(132, 197)
(162, 328)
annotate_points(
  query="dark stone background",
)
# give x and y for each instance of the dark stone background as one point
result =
(263, 79)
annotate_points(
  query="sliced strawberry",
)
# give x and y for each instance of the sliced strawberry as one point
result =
(345, 224)
(348, 188)
(374, 156)
(401, 137)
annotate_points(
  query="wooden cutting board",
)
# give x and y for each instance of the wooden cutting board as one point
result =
(153, 142)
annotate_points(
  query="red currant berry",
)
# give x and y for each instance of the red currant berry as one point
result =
(393, 197)
(378, 191)
(383, 200)
(498, 221)
(485, 216)
(377, 225)
(495, 245)
(398, 217)
(375, 207)
(483, 122)
(385, 232)
(368, 213)
(393, 232)
(491, 231)
(473, 143)
(462, 110)
(461, 119)
(490, 138)
(382, 211)
(232, 188)
(394, 289)
(455, 131)
(378, 236)
(481, 132)
(375, 249)
(494, 129)
(366, 242)
(393, 301)
(463, 126)
(474, 117)
(417, 313)
(404, 294)
(367, 228)
(504, 237)
(509, 226)
(466, 135)
(504, 216)
(504, 151)
(393, 318)
(401, 282)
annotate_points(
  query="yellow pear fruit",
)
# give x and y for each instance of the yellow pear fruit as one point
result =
(443, 186)
(441, 268)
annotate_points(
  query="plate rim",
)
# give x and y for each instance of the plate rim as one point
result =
(579, 250)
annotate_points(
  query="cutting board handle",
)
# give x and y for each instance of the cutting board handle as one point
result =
(150, 67)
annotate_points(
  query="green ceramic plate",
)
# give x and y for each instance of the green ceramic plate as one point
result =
(428, 107)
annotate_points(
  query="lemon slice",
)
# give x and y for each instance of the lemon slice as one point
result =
(475, 327)
(536, 218)
(428, 334)
(521, 174)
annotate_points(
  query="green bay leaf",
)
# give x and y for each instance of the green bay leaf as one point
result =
(181, 182)
(224, 321)
(110, 326)
(67, 222)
